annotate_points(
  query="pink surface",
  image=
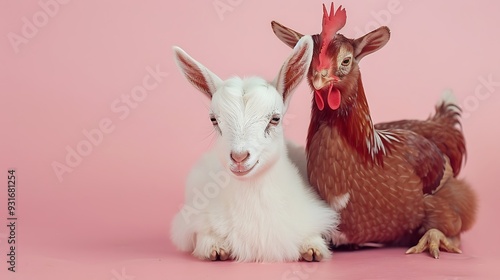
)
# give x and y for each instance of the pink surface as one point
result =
(108, 217)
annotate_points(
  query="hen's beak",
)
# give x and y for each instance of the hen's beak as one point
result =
(322, 79)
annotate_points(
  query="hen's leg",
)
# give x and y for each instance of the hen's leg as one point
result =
(448, 212)
(433, 240)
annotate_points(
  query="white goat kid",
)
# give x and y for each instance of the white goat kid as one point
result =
(261, 210)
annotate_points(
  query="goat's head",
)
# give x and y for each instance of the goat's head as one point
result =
(334, 70)
(247, 113)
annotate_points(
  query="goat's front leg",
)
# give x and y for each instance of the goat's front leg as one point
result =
(209, 247)
(314, 249)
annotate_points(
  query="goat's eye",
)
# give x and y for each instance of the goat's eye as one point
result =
(346, 61)
(275, 120)
(213, 120)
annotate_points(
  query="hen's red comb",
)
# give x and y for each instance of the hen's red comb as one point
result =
(331, 24)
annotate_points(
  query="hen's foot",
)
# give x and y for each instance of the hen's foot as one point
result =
(433, 240)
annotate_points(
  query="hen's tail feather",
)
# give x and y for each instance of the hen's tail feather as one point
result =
(447, 111)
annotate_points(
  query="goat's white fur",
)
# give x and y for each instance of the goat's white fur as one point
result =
(270, 214)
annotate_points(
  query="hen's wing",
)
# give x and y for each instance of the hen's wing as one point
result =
(423, 155)
(446, 137)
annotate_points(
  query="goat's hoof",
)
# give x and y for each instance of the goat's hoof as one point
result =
(312, 255)
(219, 255)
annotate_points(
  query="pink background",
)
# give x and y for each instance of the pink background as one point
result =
(109, 218)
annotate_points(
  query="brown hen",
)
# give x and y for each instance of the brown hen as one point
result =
(392, 182)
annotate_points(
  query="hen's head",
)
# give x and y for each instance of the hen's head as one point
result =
(333, 74)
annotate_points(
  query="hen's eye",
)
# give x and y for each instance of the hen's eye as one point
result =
(213, 120)
(346, 61)
(275, 120)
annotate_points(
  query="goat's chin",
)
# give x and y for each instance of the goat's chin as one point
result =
(242, 171)
(252, 172)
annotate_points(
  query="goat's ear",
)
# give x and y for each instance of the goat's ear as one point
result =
(371, 42)
(286, 35)
(295, 68)
(197, 74)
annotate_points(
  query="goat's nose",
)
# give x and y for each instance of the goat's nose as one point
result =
(239, 157)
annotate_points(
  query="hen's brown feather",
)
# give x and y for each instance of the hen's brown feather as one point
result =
(391, 193)
(384, 203)
(442, 129)
(452, 209)
(425, 158)
(391, 182)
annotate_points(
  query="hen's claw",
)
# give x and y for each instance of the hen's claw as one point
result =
(433, 240)
(312, 255)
